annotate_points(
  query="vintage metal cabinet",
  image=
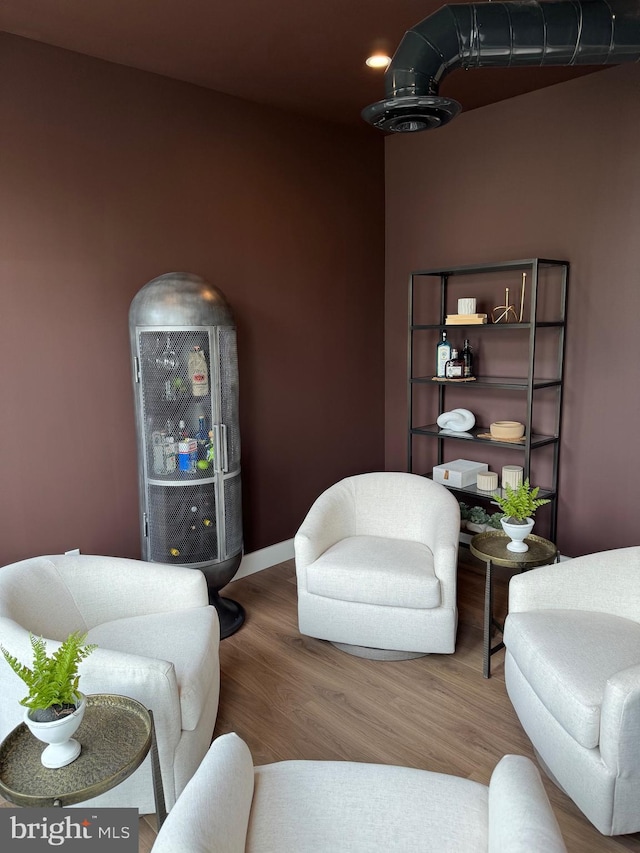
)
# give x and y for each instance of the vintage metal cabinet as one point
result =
(185, 379)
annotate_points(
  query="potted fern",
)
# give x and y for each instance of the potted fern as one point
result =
(55, 706)
(519, 506)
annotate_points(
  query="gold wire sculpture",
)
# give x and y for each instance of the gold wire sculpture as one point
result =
(507, 313)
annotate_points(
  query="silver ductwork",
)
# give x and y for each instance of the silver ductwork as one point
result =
(498, 35)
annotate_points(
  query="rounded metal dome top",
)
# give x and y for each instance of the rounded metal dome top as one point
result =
(180, 299)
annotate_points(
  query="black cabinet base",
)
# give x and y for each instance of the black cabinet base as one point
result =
(230, 613)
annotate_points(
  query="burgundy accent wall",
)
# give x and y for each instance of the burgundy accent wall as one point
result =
(110, 177)
(553, 173)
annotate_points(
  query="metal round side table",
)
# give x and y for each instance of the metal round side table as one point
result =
(491, 547)
(116, 734)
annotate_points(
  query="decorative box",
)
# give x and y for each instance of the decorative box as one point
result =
(459, 473)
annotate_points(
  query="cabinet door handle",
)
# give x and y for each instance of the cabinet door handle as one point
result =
(225, 449)
(217, 450)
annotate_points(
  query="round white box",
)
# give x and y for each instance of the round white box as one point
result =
(487, 481)
(511, 476)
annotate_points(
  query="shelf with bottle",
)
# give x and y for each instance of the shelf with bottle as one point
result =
(186, 524)
(181, 454)
(452, 363)
(513, 383)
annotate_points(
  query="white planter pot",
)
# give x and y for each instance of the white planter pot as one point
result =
(62, 749)
(517, 533)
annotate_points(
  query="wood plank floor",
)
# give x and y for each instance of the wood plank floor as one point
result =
(291, 697)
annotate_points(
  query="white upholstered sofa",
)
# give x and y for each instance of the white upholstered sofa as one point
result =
(157, 640)
(376, 562)
(572, 671)
(230, 806)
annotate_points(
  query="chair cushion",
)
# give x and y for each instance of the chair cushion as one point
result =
(567, 657)
(181, 637)
(376, 570)
(344, 807)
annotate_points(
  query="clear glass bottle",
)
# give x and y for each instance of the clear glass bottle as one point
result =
(443, 354)
(467, 359)
(454, 368)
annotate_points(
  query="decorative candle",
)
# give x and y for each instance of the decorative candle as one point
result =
(512, 476)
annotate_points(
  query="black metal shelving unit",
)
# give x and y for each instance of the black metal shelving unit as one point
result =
(541, 273)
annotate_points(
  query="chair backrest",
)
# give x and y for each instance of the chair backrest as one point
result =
(606, 581)
(34, 595)
(401, 506)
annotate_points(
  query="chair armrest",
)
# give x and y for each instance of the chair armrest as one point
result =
(520, 816)
(150, 681)
(620, 722)
(445, 563)
(212, 813)
(330, 519)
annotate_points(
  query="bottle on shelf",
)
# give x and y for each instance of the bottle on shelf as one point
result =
(210, 448)
(202, 437)
(187, 451)
(454, 368)
(443, 354)
(198, 373)
(467, 359)
(170, 450)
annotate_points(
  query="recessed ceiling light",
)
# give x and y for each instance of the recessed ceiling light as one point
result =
(378, 60)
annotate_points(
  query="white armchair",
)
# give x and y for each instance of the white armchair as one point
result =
(157, 640)
(572, 672)
(230, 806)
(376, 563)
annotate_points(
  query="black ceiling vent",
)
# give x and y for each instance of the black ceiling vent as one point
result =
(498, 35)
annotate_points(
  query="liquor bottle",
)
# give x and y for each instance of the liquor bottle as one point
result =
(454, 368)
(467, 358)
(170, 453)
(187, 450)
(443, 354)
(187, 455)
(210, 449)
(202, 437)
(198, 373)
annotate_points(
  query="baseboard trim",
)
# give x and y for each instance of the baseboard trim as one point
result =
(256, 561)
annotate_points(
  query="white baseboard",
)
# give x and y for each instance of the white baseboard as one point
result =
(264, 558)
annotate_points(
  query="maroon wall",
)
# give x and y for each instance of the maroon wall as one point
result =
(550, 174)
(111, 177)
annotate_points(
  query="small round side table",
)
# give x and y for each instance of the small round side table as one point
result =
(491, 547)
(116, 735)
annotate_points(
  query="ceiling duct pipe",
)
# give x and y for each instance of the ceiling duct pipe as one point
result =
(498, 35)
